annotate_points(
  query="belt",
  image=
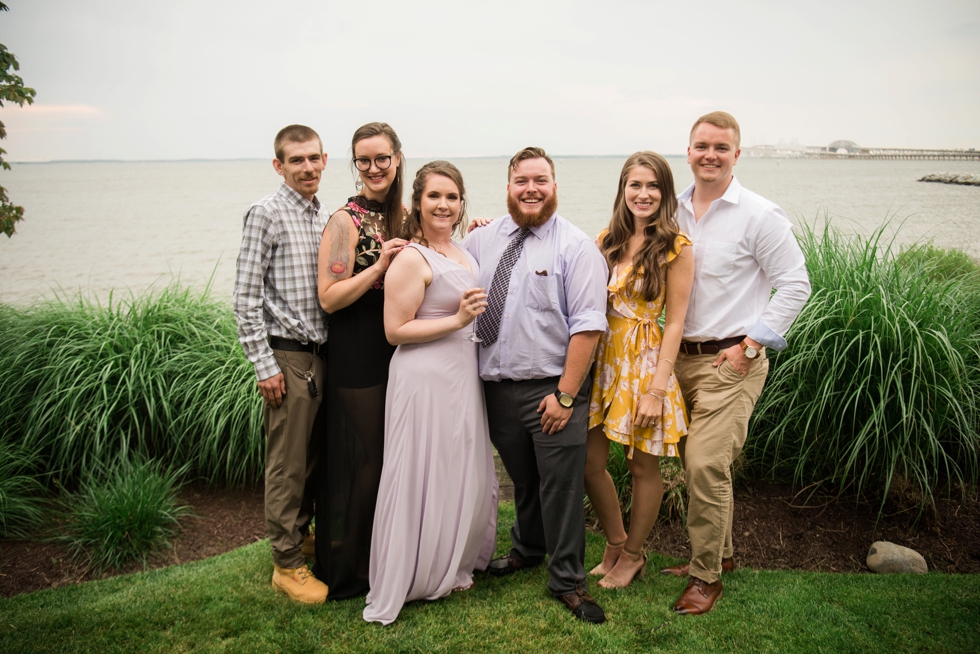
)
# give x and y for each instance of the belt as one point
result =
(711, 347)
(277, 343)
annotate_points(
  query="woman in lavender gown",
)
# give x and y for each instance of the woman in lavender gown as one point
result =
(436, 515)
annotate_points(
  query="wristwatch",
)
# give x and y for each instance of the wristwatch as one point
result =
(565, 399)
(750, 352)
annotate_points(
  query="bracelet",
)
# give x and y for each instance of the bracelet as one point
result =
(659, 397)
(666, 359)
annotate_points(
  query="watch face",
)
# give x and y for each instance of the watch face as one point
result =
(751, 352)
(564, 399)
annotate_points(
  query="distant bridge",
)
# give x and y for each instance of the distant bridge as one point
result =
(851, 150)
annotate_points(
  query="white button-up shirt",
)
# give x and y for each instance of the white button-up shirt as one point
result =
(743, 248)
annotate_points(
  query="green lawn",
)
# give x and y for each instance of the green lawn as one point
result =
(225, 604)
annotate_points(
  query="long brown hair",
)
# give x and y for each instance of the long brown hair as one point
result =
(393, 211)
(412, 227)
(658, 236)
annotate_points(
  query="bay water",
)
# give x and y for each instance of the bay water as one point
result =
(126, 227)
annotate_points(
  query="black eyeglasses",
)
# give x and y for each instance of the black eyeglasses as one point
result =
(364, 164)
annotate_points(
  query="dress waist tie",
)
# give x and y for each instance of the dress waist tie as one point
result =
(641, 333)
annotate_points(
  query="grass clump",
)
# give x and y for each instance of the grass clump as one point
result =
(160, 376)
(124, 514)
(20, 493)
(671, 472)
(881, 382)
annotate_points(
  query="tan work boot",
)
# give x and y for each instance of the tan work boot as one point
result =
(309, 546)
(300, 585)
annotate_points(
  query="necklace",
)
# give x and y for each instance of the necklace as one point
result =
(367, 205)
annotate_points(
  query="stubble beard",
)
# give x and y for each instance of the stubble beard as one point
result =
(548, 208)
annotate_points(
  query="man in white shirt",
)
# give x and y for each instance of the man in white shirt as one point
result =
(743, 248)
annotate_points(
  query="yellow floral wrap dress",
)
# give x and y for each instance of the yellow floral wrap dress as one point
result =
(626, 362)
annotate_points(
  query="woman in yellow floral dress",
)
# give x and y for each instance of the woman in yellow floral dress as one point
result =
(635, 398)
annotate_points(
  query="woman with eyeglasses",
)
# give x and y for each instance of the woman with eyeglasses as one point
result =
(356, 249)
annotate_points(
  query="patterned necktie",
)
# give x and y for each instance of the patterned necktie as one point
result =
(488, 326)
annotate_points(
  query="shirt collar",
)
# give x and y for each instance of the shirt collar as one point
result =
(731, 193)
(540, 231)
(293, 196)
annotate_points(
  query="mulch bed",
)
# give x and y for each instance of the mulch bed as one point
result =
(774, 529)
(223, 519)
(777, 528)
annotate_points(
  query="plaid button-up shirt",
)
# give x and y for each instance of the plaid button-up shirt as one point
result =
(275, 281)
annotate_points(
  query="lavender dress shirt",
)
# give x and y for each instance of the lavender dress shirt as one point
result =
(557, 288)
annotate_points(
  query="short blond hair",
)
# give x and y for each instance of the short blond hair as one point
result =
(721, 119)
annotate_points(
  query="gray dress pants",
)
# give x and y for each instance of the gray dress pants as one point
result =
(548, 472)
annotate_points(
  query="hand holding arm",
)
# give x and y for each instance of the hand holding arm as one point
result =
(337, 286)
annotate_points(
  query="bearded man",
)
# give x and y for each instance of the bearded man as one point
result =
(546, 285)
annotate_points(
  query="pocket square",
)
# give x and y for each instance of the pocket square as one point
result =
(542, 273)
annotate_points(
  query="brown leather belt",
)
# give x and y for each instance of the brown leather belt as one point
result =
(277, 343)
(711, 347)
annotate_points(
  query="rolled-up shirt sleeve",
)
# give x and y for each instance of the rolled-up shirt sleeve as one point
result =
(585, 281)
(782, 262)
(259, 239)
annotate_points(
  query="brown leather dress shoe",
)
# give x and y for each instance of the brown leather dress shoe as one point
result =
(699, 597)
(583, 606)
(727, 565)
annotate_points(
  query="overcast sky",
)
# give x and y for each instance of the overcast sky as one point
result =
(182, 79)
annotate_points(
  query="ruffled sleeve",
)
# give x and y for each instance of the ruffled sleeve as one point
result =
(679, 243)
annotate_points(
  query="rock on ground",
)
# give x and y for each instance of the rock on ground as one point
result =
(885, 557)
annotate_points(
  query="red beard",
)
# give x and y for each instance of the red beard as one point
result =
(548, 208)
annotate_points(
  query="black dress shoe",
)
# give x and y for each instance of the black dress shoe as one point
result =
(508, 565)
(583, 606)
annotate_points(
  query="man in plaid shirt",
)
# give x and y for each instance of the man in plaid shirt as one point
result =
(281, 328)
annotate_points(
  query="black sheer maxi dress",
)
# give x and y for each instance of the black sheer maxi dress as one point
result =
(352, 428)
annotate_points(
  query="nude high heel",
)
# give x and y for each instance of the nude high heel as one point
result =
(634, 557)
(612, 550)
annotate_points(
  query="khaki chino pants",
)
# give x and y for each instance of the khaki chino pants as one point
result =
(721, 403)
(290, 457)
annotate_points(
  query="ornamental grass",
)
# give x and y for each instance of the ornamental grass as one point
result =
(160, 376)
(123, 513)
(880, 384)
(21, 493)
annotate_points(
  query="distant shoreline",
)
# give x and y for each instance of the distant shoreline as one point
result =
(499, 156)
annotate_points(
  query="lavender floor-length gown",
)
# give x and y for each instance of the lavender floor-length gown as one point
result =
(436, 518)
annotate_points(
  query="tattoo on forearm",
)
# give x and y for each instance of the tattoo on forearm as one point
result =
(588, 369)
(339, 251)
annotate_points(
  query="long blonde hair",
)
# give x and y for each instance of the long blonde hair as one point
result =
(658, 237)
